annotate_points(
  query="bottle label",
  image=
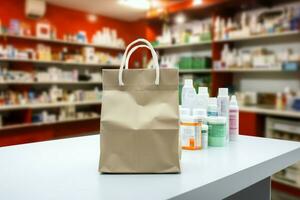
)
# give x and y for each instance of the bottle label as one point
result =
(233, 123)
(212, 113)
(216, 130)
(190, 135)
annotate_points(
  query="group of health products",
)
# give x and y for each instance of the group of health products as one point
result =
(207, 121)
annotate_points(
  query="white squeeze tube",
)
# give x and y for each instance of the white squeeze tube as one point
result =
(223, 108)
(125, 56)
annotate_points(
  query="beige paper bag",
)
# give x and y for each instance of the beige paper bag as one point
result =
(139, 119)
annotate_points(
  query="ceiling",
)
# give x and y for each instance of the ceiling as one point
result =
(109, 8)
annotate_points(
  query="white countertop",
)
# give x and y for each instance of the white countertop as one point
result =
(67, 169)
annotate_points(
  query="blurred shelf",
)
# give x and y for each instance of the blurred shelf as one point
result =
(260, 37)
(177, 46)
(25, 125)
(233, 70)
(196, 71)
(51, 83)
(278, 180)
(269, 111)
(47, 105)
(59, 41)
(254, 37)
(250, 70)
(58, 62)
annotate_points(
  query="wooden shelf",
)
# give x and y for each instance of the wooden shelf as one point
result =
(47, 105)
(269, 111)
(260, 37)
(59, 41)
(51, 83)
(25, 125)
(58, 62)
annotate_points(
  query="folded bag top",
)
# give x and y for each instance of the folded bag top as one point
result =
(139, 118)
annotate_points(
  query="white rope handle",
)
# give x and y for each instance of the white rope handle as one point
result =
(154, 58)
(132, 51)
(125, 58)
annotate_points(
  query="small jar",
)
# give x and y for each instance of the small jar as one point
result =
(216, 131)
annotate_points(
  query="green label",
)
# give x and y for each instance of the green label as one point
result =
(216, 130)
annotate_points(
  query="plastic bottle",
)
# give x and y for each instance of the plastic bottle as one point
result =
(188, 97)
(202, 97)
(212, 107)
(204, 134)
(288, 98)
(278, 101)
(233, 119)
(223, 108)
(190, 132)
(184, 111)
(224, 55)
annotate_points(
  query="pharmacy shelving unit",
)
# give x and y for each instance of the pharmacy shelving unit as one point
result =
(39, 124)
(263, 37)
(252, 118)
(48, 105)
(22, 129)
(59, 41)
(285, 130)
(60, 63)
(50, 83)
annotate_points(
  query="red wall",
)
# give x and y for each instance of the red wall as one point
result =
(66, 21)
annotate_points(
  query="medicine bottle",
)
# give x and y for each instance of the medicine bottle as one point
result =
(190, 132)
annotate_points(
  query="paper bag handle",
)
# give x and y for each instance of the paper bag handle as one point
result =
(126, 58)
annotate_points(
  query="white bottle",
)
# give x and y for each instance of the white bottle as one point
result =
(233, 119)
(212, 107)
(224, 55)
(190, 131)
(223, 108)
(184, 111)
(200, 114)
(188, 96)
(203, 97)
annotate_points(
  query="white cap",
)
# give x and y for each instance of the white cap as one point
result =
(223, 92)
(233, 100)
(188, 82)
(203, 90)
(199, 112)
(204, 127)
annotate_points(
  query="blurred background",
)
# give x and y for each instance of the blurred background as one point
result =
(52, 53)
